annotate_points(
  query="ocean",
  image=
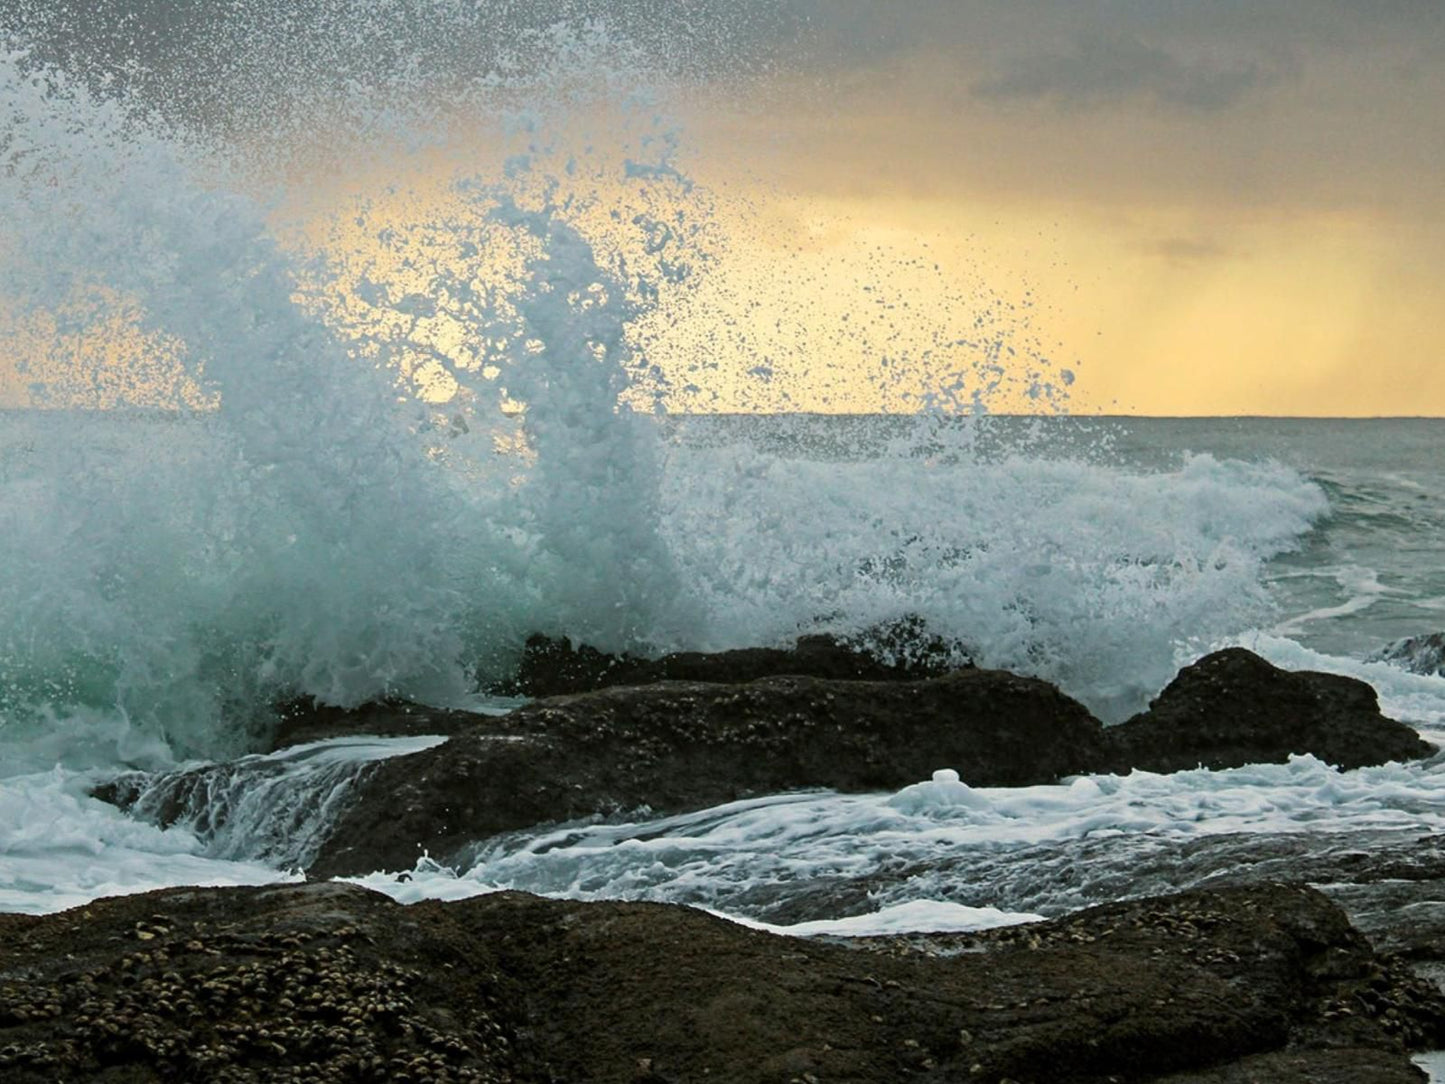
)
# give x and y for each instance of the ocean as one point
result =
(155, 607)
(333, 371)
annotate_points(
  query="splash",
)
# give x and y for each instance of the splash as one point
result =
(351, 335)
(288, 524)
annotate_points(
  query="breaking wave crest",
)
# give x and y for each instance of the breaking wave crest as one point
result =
(276, 433)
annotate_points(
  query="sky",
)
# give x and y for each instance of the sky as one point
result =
(1227, 207)
(1161, 206)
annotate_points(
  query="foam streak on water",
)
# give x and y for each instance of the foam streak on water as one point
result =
(1045, 849)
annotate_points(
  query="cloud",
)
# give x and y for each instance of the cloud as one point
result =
(1184, 251)
(1103, 70)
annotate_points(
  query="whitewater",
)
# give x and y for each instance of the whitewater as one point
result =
(267, 451)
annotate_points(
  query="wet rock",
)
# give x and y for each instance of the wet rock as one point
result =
(1233, 708)
(1128, 991)
(900, 651)
(1418, 654)
(298, 983)
(674, 747)
(680, 746)
(1332, 1065)
(332, 982)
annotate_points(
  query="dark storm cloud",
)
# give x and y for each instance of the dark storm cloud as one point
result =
(1264, 100)
(1201, 55)
(1258, 103)
(1198, 56)
(1102, 69)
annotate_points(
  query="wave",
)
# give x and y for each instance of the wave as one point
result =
(365, 455)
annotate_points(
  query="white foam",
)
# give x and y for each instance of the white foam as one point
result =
(1362, 587)
(945, 791)
(915, 916)
(1433, 1063)
(314, 533)
(1087, 575)
(60, 848)
(323, 530)
(739, 858)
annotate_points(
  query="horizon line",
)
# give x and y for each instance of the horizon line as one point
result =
(179, 412)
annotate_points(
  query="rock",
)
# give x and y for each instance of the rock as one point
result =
(1233, 708)
(1132, 991)
(679, 746)
(1418, 654)
(900, 651)
(674, 747)
(332, 982)
(1333, 1065)
(294, 983)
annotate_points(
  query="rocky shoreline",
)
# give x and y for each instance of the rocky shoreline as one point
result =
(331, 982)
(1252, 981)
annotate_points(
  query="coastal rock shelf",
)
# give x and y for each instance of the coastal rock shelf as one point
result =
(328, 982)
(679, 746)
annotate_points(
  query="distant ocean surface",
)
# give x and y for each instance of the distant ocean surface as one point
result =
(161, 585)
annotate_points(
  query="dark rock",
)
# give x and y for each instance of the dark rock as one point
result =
(679, 746)
(1331, 1065)
(295, 983)
(675, 747)
(332, 982)
(1233, 708)
(1418, 654)
(1135, 990)
(901, 651)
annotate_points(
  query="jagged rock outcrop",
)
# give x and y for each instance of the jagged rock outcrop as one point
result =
(328, 982)
(675, 747)
(1233, 708)
(681, 746)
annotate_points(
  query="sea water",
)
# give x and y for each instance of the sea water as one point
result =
(1314, 543)
(334, 376)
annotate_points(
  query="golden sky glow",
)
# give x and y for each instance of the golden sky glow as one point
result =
(1282, 252)
(1199, 208)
